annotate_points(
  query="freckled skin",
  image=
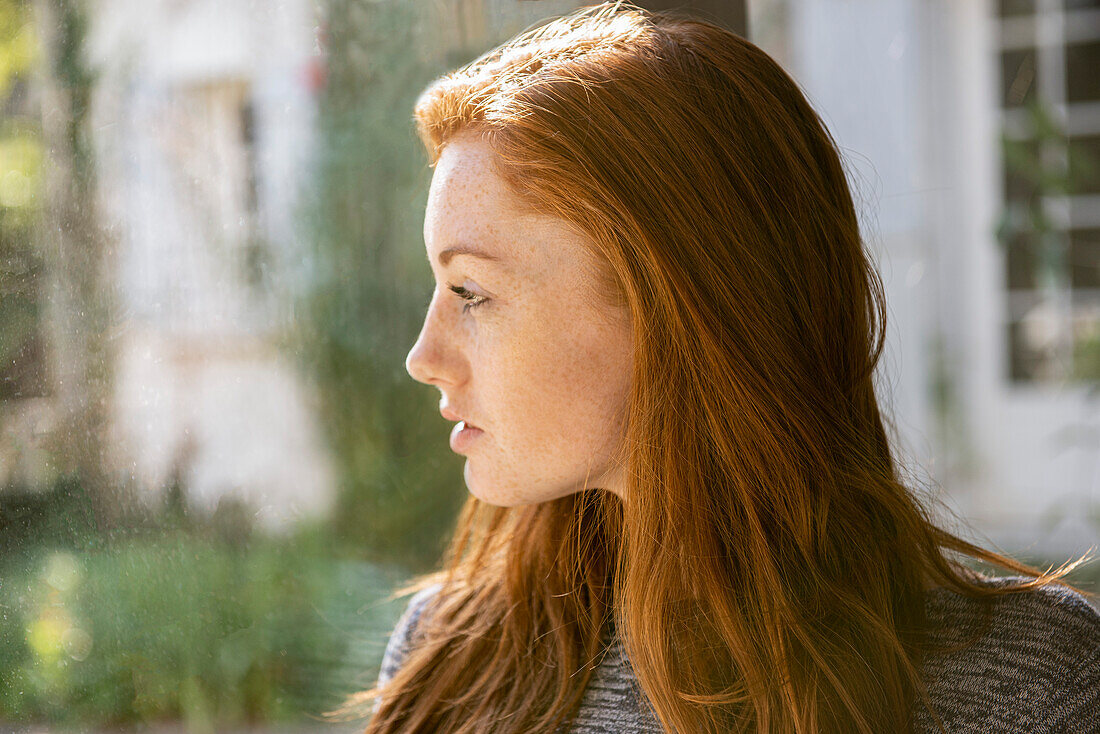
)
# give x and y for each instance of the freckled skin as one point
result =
(541, 367)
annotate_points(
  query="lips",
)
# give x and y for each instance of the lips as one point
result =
(453, 416)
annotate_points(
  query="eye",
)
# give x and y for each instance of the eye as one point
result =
(472, 299)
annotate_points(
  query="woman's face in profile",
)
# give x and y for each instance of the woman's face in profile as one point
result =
(524, 350)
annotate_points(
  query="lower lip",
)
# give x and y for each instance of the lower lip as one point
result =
(462, 436)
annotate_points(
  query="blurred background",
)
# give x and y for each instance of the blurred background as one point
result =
(213, 466)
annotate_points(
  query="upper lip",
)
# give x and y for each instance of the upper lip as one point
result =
(453, 416)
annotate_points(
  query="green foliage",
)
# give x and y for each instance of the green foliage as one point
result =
(401, 487)
(182, 626)
(18, 44)
(78, 81)
(21, 157)
(1086, 358)
(1025, 163)
(1044, 165)
(58, 517)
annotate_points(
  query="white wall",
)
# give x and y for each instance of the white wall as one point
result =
(195, 365)
(859, 63)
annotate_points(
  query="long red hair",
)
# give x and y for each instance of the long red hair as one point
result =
(767, 568)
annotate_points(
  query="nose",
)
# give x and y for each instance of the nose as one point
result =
(417, 361)
(428, 360)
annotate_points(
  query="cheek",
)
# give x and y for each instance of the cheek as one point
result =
(567, 386)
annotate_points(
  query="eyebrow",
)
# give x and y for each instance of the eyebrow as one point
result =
(450, 252)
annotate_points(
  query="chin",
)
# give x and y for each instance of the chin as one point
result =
(485, 493)
(497, 499)
(491, 493)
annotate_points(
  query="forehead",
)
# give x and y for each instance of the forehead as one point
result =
(466, 170)
(471, 206)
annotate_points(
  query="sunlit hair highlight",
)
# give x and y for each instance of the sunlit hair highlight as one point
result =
(766, 569)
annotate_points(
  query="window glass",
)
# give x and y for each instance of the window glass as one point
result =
(1015, 7)
(1084, 164)
(1084, 258)
(1017, 77)
(1082, 77)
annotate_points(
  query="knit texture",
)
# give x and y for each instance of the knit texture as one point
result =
(1036, 670)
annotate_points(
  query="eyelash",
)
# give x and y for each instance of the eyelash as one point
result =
(469, 297)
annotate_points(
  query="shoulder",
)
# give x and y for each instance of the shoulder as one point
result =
(1048, 618)
(1036, 665)
(400, 641)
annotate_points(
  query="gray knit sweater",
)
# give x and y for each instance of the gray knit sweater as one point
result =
(1036, 670)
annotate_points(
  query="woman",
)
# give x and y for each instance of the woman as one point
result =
(657, 326)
